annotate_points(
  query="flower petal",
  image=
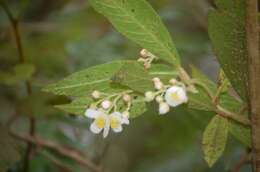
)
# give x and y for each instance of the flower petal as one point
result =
(106, 128)
(94, 128)
(125, 121)
(178, 98)
(92, 113)
(118, 129)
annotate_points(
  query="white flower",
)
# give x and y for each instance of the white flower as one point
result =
(175, 96)
(106, 104)
(159, 99)
(163, 108)
(96, 94)
(149, 96)
(125, 117)
(116, 121)
(126, 97)
(104, 122)
(101, 121)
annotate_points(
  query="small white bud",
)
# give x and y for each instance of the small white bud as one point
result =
(127, 98)
(144, 53)
(156, 79)
(125, 114)
(159, 99)
(106, 104)
(173, 81)
(163, 108)
(96, 94)
(149, 96)
(158, 85)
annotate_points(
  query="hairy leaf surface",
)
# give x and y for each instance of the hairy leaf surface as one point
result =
(139, 22)
(214, 139)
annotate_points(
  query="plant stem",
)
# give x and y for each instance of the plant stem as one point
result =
(15, 26)
(252, 43)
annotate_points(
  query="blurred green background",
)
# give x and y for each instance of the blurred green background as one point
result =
(63, 36)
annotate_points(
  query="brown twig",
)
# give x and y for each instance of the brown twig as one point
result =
(252, 45)
(15, 26)
(61, 149)
(219, 109)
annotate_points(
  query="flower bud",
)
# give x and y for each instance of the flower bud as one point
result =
(156, 79)
(163, 108)
(158, 85)
(106, 104)
(144, 53)
(149, 96)
(126, 98)
(159, 99)
(173, 81)
(96, 94)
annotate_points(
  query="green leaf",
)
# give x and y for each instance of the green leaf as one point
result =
(79, 106)
(83, 82)
(76, 107)
(240, 132)
(139, 22)
(201, 100)
(164, 72)
(138, 107)
(214, 139)
(20, 72)
(133, 75)
(24, 71)
(227, 33)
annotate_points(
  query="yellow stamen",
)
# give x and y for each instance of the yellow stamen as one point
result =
(175, 96)
(114, 122)
(100, 122)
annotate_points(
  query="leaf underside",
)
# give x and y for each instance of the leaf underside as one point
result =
(214, 139)
(227, 33)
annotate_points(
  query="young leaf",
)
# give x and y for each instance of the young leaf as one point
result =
(83, 82)
(201, 100)
(133, 75)
(137, 20)
(214, 139)
(227, 32)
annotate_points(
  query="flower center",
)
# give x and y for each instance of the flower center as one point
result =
(100, 122)
(114, 122)
(175, 96)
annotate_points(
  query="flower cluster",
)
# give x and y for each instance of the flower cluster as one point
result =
(146, 58)
(105, 113)
(167, 96)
